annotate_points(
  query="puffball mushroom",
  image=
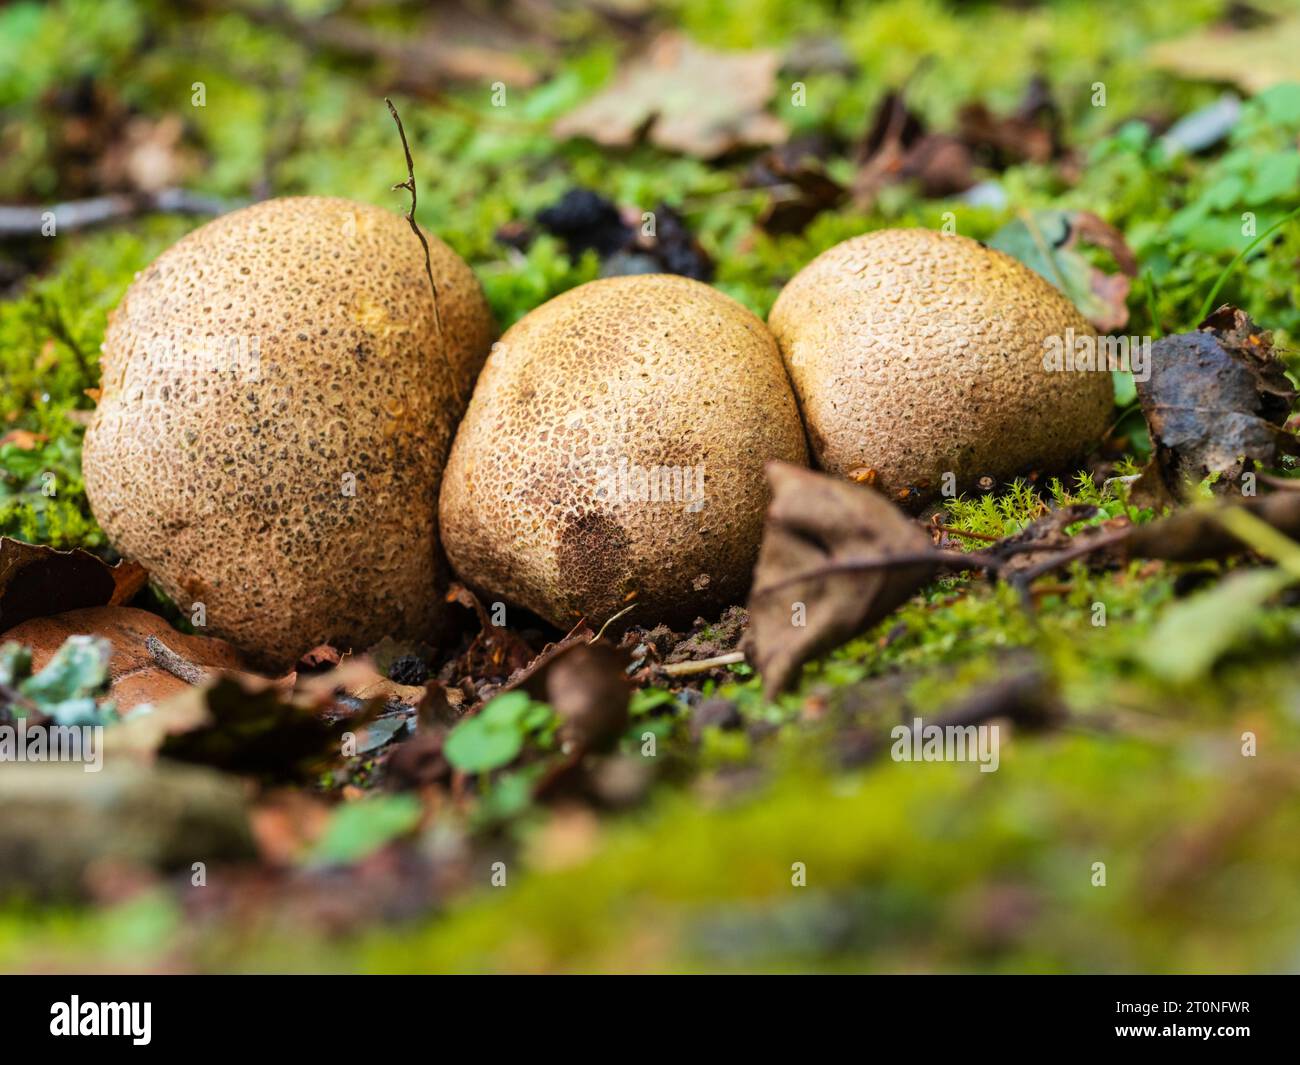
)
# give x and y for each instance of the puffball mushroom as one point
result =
(277, 403)
(915, 353)
(612, 454)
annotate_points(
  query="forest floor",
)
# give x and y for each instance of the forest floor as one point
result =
(1145, 809)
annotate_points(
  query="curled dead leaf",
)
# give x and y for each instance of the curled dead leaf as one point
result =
(811, 589)
(37, 581)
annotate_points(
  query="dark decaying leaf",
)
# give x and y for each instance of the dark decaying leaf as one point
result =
(531, 677)
(496, 652)
(625, 240)
(1024, 695)
(1032, 133)
(801, 188)
(587, 221)
(1215, 403)
(807, 595)
(897, 147)
(36, 581)
(588, 689)
(245, 724)
(418, 762)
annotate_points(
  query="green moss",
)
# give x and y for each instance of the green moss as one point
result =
(909, 866)
(50, 336)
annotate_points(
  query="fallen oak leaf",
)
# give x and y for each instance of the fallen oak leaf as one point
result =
(1255, 58)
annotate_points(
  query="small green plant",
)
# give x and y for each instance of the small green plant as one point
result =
(66, 690)
(495, 736)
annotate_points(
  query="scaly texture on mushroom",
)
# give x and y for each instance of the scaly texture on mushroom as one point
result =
(914, 353)
(276, 408)
(613, 454)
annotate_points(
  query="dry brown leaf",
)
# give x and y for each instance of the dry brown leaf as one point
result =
(1254, 59)
(695, 101)
(23, 439)
(822, 526)
(1215, 402)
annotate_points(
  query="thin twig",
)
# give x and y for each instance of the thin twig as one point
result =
(626, 610)
(175, 664)
(20, 222)
(702, 665)
(947, 559)
(409, 185)
(11, 696)
(987, 538)
(1032, 573)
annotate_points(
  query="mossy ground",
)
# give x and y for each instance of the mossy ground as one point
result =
(909, 867)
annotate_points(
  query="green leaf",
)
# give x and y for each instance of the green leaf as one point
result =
(15, 663)
(478, 746)
(1275, 177)
(646, 699)
(1281, 104)
(66, 688)
(1193, 634)
(1045, 241)
(357, 829)
(495, 735)
(507, 709)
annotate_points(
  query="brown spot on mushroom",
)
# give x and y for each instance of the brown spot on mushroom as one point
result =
(615, 444)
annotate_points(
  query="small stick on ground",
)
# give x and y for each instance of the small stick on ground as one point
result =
(703, 665)
(10, 696)
(175, 664)
(23, 222)
(984, 537)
